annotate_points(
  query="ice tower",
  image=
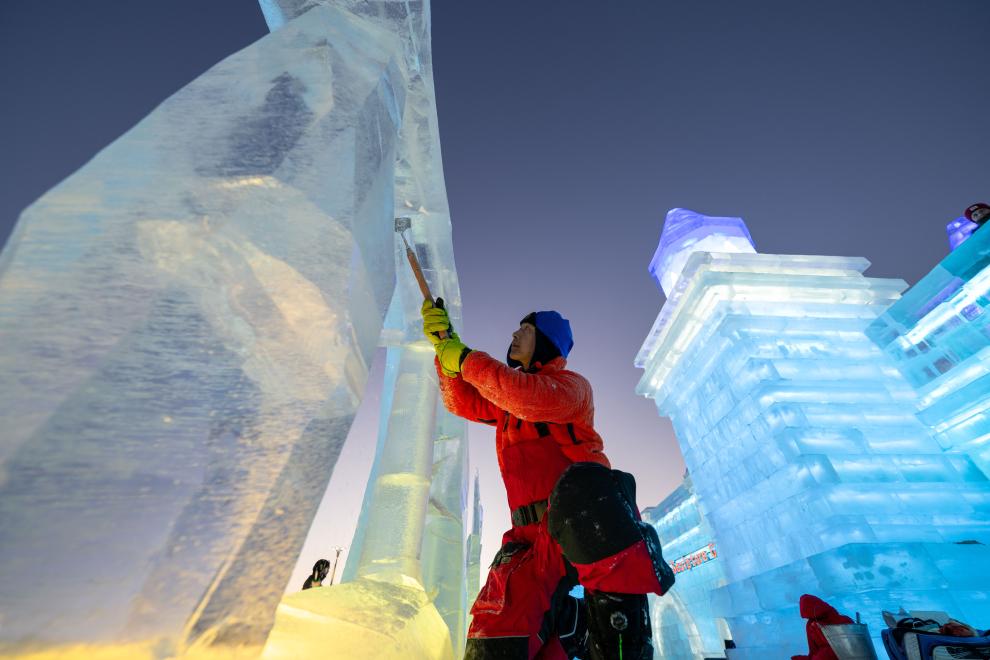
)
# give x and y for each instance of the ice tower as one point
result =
(185, 330)
(802, 442)
(474, 545)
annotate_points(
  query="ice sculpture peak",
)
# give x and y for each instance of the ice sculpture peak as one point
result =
(686, 232)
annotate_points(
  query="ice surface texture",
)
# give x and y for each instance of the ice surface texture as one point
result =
(684, 624)
(804, 449)
(411, 531)
(185, 328)
(938, 336)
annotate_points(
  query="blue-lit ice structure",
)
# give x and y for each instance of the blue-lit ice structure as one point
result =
(938, 336)
(684, 624)
(186, 325)
(803, 445)
(959, 231)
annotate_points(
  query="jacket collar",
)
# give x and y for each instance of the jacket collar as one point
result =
(556, 364)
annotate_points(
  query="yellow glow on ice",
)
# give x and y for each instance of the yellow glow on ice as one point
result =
(146, 650)
(365, 619)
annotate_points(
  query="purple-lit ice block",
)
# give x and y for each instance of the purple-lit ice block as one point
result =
(686, 232)
(959, 230)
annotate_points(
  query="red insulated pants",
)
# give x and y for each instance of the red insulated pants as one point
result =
(517, 615)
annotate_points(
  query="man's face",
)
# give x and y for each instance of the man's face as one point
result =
(523, 343)
(980, 215)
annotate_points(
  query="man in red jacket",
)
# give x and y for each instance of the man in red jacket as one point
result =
(574, 519)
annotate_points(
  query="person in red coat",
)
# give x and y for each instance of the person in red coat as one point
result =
(574, 519)
(818, 613)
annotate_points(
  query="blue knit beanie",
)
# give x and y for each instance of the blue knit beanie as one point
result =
(557, 329)
(553, 337)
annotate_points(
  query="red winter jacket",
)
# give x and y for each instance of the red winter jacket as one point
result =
(818, 613)
(544, 420)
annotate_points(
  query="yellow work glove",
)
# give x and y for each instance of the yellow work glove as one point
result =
(451, 353)
(435, 321)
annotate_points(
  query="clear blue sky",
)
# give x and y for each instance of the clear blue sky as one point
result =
(569, 128)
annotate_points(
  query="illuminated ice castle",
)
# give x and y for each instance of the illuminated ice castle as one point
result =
(186, 329)
(802, 441)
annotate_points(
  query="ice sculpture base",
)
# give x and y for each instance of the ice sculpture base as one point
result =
(140, 650)
(366, 618)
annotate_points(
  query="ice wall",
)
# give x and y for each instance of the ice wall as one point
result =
(684, 624)
(387, 610)
(938, 336)
(185, 327)
(804, 449)
(410, 538)
(444, 553)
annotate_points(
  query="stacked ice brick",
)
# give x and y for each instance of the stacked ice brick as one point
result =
(684, 624)
(802, 442)
(938, 335)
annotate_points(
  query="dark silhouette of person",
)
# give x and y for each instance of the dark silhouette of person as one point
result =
(320, 570)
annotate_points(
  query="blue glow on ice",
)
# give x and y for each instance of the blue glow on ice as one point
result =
(959, 230)
(684, 624)
(802, 439)
(938, 336)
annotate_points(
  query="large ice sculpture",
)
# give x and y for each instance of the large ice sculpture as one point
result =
(684, 624)
(410, 543)
(385, 612)
(804, 449)
(185, 327)
(445, 549)
(938, 335)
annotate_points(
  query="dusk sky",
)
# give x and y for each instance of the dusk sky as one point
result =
(568, 130)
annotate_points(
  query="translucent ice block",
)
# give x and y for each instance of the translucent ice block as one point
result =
(411, 527)
(938, 336)
(185, 326)
(366, 619)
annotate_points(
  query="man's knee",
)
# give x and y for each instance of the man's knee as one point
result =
(497, 648)
(619, 626)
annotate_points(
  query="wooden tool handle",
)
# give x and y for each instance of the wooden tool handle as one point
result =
(424, 288)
